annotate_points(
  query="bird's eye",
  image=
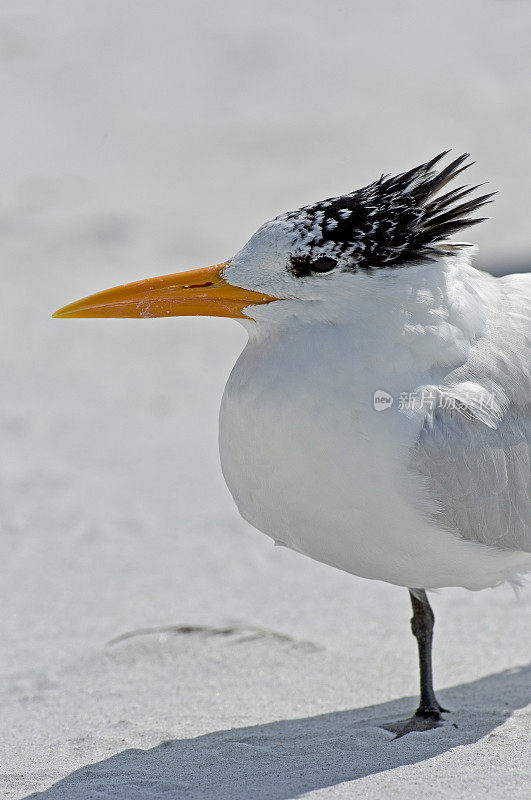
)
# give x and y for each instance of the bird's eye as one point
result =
(303, 266)
(323, 264)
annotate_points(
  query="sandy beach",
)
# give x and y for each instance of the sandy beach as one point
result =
(154, 645)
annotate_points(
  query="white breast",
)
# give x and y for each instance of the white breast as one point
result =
(311, 464)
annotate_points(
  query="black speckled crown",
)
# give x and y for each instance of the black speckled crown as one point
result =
(392, 222)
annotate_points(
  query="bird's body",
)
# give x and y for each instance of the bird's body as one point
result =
(417, 494)
(348, 301)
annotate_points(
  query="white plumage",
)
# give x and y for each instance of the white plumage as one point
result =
(424, 497)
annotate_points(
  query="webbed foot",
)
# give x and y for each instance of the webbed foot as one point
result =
(424, 719)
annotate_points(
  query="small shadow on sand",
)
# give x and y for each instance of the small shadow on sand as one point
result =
(286, 759)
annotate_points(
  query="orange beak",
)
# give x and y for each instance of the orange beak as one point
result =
(199, 292)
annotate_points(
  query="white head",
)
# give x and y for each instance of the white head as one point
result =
(311, 262)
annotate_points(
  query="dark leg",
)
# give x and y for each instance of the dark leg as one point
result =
(422, 628)
(428, 714)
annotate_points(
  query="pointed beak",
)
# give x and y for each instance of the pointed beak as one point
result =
(199, 292)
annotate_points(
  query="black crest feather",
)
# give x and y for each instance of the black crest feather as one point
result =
(394, 221)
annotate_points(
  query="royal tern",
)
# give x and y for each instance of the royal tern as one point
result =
(378, 419)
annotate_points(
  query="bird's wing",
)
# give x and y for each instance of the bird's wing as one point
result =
(478, 468)
(474, 440)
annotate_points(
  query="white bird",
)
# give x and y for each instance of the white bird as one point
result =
(378, 419)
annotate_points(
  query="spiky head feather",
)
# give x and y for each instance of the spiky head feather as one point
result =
(392, 222)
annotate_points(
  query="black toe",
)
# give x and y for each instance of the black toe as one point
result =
(418, 722)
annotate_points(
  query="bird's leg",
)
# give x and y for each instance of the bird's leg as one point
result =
(428, 714)
(422, 628)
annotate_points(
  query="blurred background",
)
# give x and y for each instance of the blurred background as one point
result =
(140, 138)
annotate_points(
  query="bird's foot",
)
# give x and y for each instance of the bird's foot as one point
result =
(424, 719)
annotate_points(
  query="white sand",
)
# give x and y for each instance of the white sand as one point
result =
(141, 138)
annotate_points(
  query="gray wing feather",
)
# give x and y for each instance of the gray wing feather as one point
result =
(479, 475)
(476, 455)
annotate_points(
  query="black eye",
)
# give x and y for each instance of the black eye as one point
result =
(302, 266)
(323, 264)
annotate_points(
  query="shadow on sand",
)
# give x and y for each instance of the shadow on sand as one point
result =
(285, 759)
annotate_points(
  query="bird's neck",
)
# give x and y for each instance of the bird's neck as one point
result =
(413, 319)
